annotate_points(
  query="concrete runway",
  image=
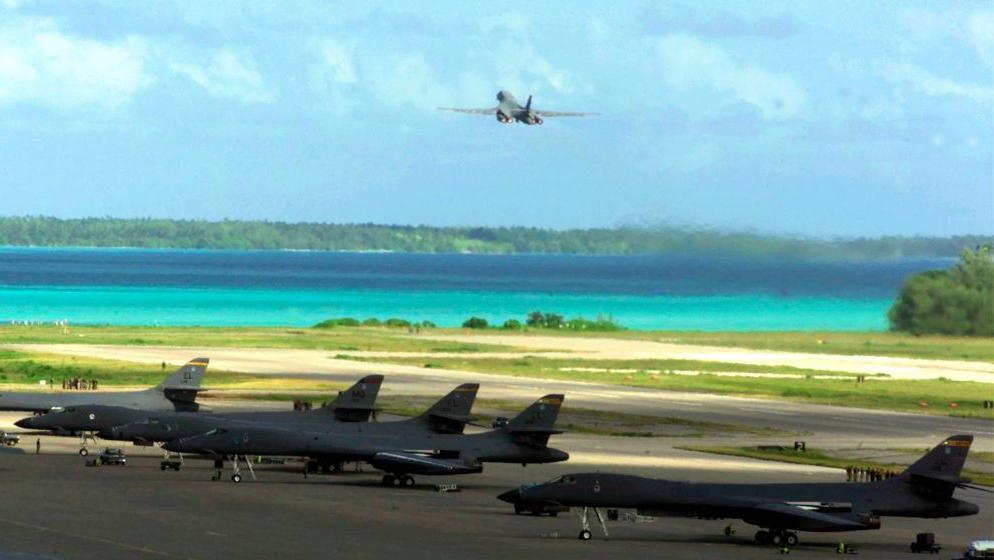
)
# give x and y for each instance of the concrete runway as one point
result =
(55, 507)
(824, 425)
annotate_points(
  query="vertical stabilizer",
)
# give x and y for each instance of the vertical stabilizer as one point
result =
(940, 468)
(358, 402)
(451, 413)
(537, 422)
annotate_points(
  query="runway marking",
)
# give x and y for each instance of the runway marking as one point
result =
(126, 546)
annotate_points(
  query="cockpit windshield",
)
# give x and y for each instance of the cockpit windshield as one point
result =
(565, 479)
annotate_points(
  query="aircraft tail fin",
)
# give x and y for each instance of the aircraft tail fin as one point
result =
(187, 378)
(940, 468)
(358, 402)
(537, 422)
(451, 413)
(528, 105)
(183, 385)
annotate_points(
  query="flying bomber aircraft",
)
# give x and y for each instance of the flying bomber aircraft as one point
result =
(923, 490)
(176, 392)
(509, 111)
(392, 447)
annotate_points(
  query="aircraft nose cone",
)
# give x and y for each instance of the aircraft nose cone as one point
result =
(25, 423)
(511, 496)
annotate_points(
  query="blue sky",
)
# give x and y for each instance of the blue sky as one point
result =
(818, 118)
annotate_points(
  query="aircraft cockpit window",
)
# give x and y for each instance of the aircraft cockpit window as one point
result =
(565, 479)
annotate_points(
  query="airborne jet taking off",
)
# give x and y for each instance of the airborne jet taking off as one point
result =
(177, 392)
(924, 490)
(510, 111)
(393, 446)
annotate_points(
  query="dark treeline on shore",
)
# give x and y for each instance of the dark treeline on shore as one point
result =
(958, 301)
(41, 231)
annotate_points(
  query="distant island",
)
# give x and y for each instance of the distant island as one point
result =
(40, 231)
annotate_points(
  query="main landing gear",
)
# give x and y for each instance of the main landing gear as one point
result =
(585, 533)
(236, 475)
(398, 480)
(778, 537)
(83, 438)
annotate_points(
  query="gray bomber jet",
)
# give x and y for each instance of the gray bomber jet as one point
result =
(144, 426)
(399, 452)
(177, 392)
(509, 111)
(924, 490)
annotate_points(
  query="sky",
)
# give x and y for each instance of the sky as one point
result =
(812, 118)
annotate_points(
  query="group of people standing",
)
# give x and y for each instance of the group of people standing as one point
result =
(856, 473)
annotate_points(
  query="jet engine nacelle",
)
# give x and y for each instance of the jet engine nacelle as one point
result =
(501, 117)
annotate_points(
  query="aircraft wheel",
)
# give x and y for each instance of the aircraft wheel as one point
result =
(519, 509)
(777, 539)
(585, 535)
(536, 511)
(553, 514)
(388, 480)
(83, 452)
(763, 537)
(407, 481)
(397, 481)
(236, 478)
(791, 539)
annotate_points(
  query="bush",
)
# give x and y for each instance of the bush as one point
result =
(959, 301)
(395, 322)
(371, 322)
(511, 325)
(341, 322)
(427, 325)
(475, 323)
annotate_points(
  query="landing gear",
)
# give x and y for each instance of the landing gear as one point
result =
(399, 480)
(585, 533)
(777, 537)
(83, 438)
(236, 476)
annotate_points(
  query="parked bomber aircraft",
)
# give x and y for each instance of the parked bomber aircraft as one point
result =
(355, 404)
(391, 448)
(924, 490)
(177, 392)
(510, 111)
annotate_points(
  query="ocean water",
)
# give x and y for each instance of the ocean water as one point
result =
(180, 287)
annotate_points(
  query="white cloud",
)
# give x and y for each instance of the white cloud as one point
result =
(688, 63)
(980, 28)
(336, 62)
(42, 65)
(227, 74)
(925, 82)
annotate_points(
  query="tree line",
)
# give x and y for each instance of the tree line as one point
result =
(958, 301)
(41, 231)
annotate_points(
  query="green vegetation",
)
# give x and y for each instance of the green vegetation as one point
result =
(373, 322)
(959, 301)
(340, 339)
(475, 323)
(817, 458)
(548, 321)
(234, 234)
(832, 388)
(939, 347)
(30, 369)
